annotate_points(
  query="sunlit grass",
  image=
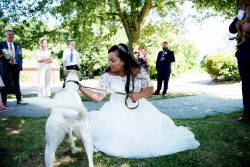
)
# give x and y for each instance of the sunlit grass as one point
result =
(224, 142)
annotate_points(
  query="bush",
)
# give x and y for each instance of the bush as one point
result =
(152, 70)
(222, 67)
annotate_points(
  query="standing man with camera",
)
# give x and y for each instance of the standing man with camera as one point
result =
(243, 58)
(10, 68)
(163, 68)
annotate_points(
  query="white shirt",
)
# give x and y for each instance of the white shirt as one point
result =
(66, 57)
(240, 14)
(13, 50)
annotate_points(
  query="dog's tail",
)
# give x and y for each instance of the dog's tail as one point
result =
(74, 112)
(71, 100)
(64, 100)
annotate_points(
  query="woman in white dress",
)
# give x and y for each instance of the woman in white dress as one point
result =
(44, 59)
(132, 130)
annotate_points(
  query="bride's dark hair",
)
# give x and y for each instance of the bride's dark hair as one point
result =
(130, 63)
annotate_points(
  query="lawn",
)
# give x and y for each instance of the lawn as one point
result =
(106, 98)
(224, 142)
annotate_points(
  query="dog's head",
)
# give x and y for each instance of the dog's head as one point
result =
(72, 79)
(72, 75)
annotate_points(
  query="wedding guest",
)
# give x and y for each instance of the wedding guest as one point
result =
(44, 59)
(71, 58)
(11, 67)
(143, 58)
(243, 58)
(163, 68)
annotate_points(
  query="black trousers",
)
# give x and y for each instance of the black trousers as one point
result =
(9, 77)
(162, 76)
(244, 70)
(72, 67)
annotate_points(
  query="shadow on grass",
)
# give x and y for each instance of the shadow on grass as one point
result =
(224, 142)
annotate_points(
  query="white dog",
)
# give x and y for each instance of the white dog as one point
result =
(67, 115)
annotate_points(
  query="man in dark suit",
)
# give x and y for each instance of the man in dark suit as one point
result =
(10, 68)
(243, 57)
(163, 68)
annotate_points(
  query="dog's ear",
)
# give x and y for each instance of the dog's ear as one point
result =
(79, 75)
(66, 73)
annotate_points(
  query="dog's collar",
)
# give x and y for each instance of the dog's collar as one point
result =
(76, 82)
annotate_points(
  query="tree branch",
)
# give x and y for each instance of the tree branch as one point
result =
(145, 10)
(123, 18)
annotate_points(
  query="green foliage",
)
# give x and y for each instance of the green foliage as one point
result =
(29, 32)
(152, 70)
(94, 60)
(203, 62)
(186, 54)
(85, 20)
(222, 67)
(16, 11)
(91, 23)
(226, 8)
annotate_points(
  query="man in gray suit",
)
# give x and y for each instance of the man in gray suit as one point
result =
(10, 68)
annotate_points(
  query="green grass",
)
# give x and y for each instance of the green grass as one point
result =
(106, 98)
(13, 96)
(224, 142)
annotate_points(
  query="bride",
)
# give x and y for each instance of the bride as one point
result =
(128, 125)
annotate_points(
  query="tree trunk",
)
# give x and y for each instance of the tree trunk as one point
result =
(133, 20)
(133, 39)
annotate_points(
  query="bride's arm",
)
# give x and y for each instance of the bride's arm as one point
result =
(92, 95)
(135, 96)
(146, 86)
(147, 92)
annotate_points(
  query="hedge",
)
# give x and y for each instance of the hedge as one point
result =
(222, 67)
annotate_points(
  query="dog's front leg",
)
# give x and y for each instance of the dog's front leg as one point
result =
(72, 142)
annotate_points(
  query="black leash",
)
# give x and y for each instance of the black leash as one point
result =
(126, 98)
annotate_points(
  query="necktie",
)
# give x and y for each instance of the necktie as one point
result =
(12, 56)
(71, 56)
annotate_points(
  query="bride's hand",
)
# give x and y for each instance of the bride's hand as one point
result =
(134, 96)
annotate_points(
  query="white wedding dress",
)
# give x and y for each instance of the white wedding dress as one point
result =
(135, 133)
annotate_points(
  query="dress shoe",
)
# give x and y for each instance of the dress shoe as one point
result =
(164, 93)
(21, 103)
(156, 93)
